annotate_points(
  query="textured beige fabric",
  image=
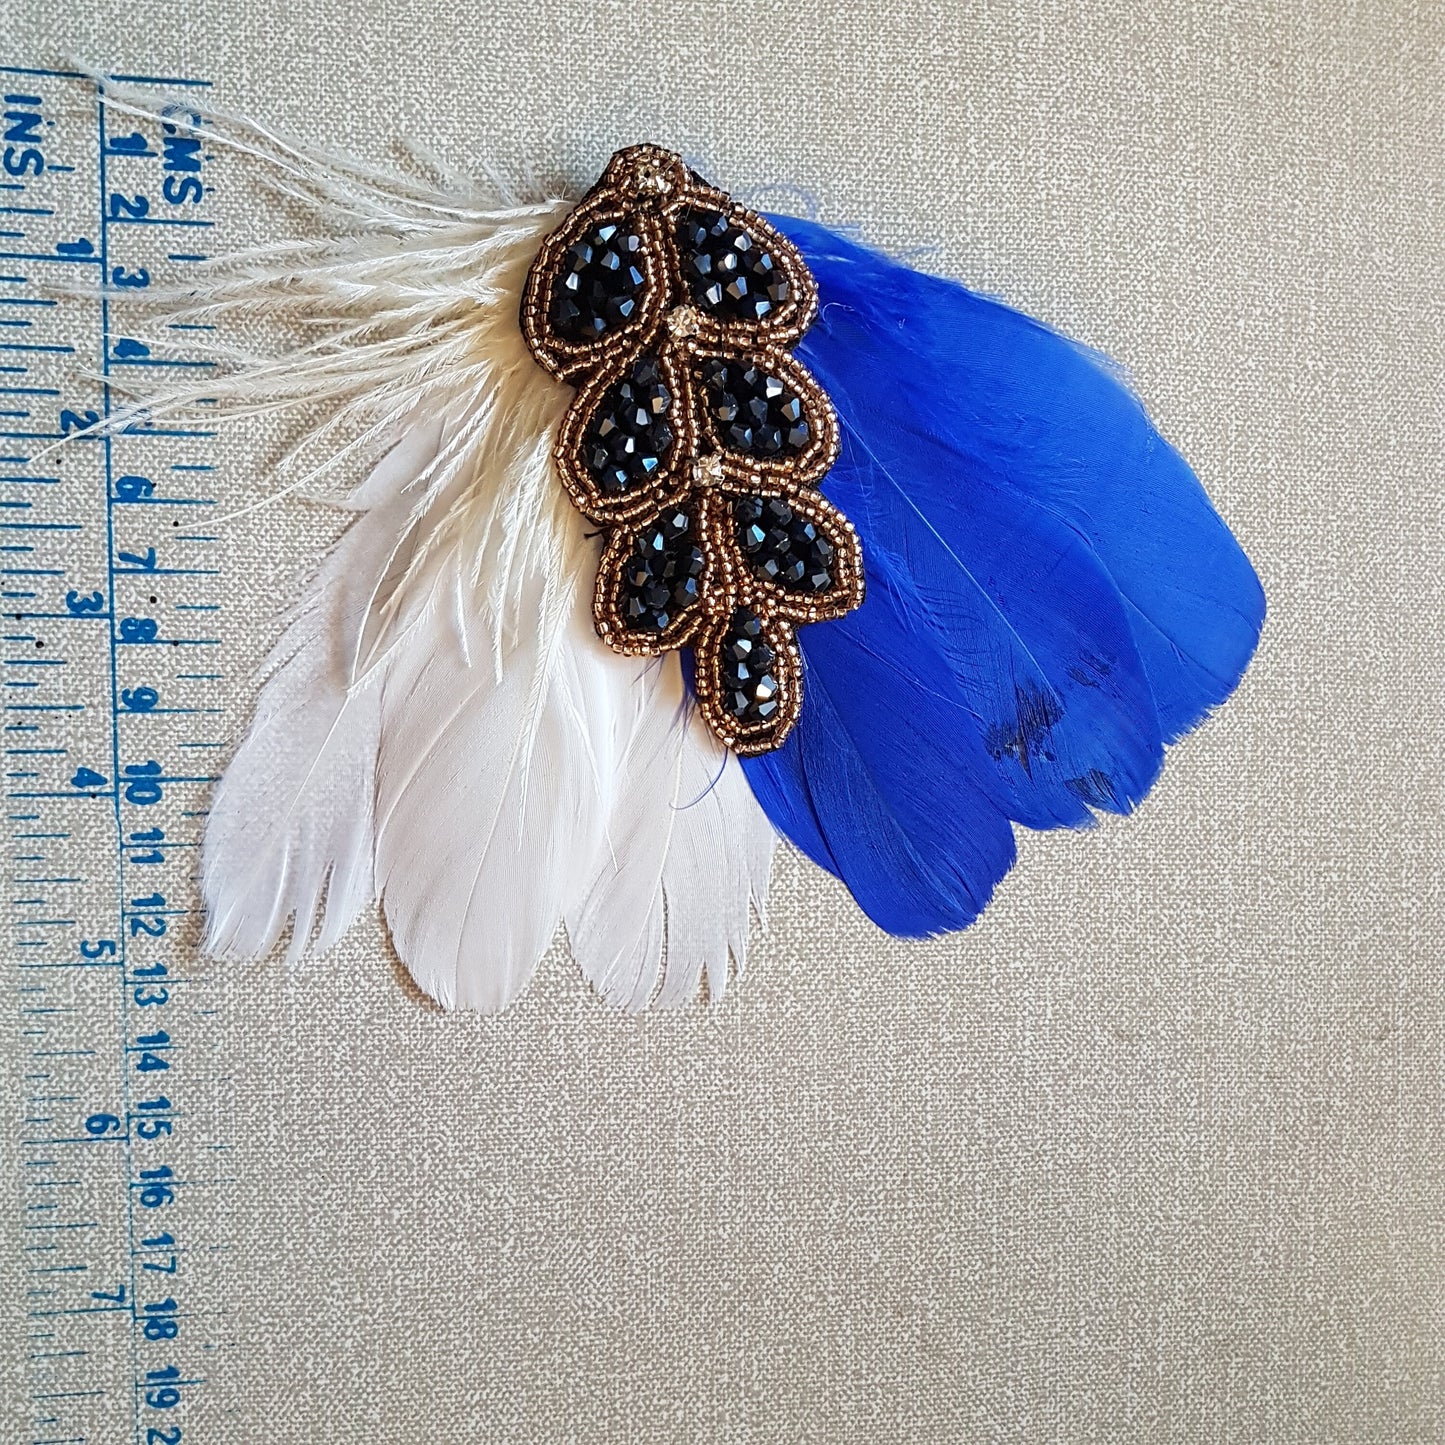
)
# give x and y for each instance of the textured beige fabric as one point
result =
(1153, 1153)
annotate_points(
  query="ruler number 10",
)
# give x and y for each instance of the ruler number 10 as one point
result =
(141, 783)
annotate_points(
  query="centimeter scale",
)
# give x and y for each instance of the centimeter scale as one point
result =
(109, 597)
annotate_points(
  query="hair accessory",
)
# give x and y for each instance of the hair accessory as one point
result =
(477, 713)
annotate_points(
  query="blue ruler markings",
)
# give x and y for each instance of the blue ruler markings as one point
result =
(110, 616)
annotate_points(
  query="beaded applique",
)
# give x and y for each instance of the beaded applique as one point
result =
(695, 439)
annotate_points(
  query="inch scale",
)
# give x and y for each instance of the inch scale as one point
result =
(109, 600)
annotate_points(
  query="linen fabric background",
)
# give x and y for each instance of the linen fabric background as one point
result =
(1152, 1153)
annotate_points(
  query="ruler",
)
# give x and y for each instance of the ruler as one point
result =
(110, 600)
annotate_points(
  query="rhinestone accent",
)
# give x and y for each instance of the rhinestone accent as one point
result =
(650, 179)
(683, 321)
(708, 469)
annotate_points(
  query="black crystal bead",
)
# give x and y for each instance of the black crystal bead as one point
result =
(662, 577)
(784, 547)
(629, 435)
(749, 670)
(599, 284)
(752, 411)
(728, 273)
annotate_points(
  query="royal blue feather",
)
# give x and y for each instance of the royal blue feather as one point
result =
(884, 781)
(1052, 597)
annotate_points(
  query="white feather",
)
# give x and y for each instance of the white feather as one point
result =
(491, 805)
(717, 869)
(688, 852)
(290, 826)
(440, 726)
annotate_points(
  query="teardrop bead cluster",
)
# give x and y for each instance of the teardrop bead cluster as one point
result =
(696, 440)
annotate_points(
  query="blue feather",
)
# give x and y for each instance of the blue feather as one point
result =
(1050, 422)
(1059, 694)
(1052, 597)
(883, 780)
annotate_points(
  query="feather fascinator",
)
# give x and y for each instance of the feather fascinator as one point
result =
(676, 529)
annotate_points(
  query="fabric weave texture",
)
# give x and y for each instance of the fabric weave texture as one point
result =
(1155, 1152)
